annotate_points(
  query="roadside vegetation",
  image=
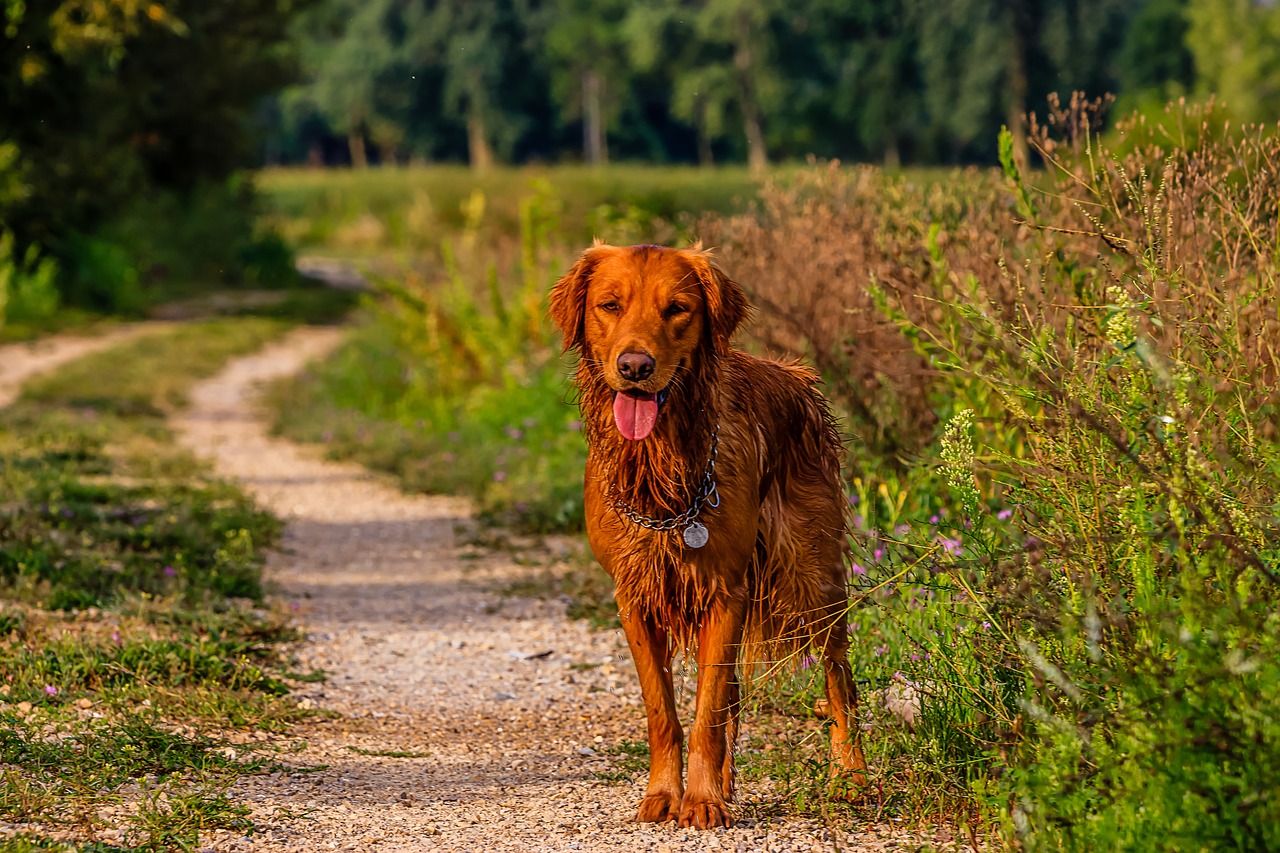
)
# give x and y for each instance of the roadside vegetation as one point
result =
(141, 671)
(1060, 393)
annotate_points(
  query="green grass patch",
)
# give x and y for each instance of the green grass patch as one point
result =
(411, 210)
(135, 650)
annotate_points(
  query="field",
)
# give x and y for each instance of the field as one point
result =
(1060, 394)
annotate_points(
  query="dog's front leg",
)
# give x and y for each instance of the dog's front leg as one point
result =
(651, 651)
(705, 801)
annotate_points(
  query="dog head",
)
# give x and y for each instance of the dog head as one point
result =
(642, 315)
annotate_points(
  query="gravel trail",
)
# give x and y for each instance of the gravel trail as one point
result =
(21, 361)
(460, 719)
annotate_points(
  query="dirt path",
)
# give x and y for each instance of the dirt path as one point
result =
(461, 720)
(19, 362)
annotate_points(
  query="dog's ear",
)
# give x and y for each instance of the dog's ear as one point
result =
(569, 296)
(726, 304)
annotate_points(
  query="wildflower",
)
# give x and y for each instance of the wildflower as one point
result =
(877, 554)
(514, 433)
(575, 425)
(115, 637)
(915, 656)
(170, 571)
(933, 519)
(859, 521)
(807, 662)
(50, 690)
(858, 569)
(986, 626)
(853, 500)
(1004, 514)
(880, 650)
(530, 423)
(499, 476)
(902, 530)
(951, 546)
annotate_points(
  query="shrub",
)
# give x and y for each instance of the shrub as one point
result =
(28, 290)
(1098, 340)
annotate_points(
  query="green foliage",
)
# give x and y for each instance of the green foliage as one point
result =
(28, 290)
(115, 172)
(1234, 46)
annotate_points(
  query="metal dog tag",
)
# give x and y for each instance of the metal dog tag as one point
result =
(695, 535)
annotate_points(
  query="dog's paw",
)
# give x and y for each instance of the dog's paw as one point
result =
(658, 808)
(704, 813)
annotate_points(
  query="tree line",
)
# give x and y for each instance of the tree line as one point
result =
(892, 81)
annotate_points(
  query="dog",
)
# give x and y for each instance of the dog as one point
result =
(713, 499)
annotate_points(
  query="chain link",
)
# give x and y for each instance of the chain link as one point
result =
(705, 492)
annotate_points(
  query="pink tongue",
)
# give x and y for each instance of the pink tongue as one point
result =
(635, 416)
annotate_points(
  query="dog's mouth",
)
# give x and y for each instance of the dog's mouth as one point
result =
(636, 412)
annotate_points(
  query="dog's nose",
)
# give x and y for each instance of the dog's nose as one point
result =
(635, 366)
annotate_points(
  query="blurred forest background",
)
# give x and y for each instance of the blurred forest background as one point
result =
(128, 122)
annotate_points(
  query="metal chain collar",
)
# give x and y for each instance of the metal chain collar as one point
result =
(706, 492)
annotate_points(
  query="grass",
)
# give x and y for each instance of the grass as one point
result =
(412, 210)
(137, 658)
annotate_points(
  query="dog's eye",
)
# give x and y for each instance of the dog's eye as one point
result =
(611, 306)
(674, 309)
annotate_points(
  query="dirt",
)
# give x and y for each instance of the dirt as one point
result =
(453, 716)
(21, 361)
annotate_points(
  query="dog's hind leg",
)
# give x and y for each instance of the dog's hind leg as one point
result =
(651, 651)
(848, 763)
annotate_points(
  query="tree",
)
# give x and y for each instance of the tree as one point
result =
(111, 98)
(1155, 57)
(584, 44)
(1236, 45)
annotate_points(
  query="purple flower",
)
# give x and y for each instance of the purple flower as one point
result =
(115, 637)
(170, 571)
(514, 434)
(951, 546)
(857, 569)
(853, 628)
(575, 425)
(933, 519)
(902, 529)
(986, 626)
(499, 476)
(880, 650)
(807, 662)
(915, 656)
(877, 554)
(50, 690)
(859, 521)
(1004, 514)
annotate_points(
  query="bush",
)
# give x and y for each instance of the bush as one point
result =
(1096, 630)
(28, 289)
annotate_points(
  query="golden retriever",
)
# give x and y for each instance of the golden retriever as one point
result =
(713, 499)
